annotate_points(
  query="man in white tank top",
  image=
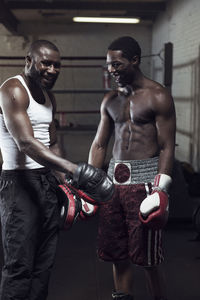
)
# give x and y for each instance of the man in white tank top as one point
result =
(29, 206)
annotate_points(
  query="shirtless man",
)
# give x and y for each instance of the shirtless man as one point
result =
(142, 116)
(29, 206)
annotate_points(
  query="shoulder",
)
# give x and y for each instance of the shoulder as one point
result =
(108, 98)
(13, 89)
(159, 95)
(12, 86)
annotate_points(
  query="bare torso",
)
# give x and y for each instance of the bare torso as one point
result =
(134, 124)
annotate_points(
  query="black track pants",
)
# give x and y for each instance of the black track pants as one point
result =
(29, 218)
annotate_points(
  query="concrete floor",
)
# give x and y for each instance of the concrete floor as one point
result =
(78, 275)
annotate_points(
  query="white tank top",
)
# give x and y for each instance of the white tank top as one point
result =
(40, 116)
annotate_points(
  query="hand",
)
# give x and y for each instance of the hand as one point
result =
(154, 209)
(61, 177)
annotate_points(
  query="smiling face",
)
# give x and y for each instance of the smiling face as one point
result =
(120, 67)
(43, 67)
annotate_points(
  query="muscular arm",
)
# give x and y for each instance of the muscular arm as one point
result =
(14, 103)
(99, 146)
(166, 128)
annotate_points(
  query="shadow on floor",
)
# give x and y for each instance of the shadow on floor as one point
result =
(79, 275)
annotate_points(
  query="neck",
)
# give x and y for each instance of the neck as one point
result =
(36, 91)
(32, 85)
(138, 80)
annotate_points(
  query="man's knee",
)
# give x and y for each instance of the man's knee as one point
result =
(122, 264)
(157, 269)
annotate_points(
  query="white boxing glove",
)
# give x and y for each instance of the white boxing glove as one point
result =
(154, 208)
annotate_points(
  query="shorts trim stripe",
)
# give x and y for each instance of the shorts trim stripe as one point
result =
(156, 245)
(160, 247)
(149, 247)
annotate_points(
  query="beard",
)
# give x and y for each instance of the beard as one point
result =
(124, 78)
(38, 78)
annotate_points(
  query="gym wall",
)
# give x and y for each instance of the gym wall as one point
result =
(180, 24)
(76, 40)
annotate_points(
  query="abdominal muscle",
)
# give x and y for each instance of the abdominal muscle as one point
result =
(135, 141)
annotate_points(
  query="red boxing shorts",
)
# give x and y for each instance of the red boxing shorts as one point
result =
(121, 234)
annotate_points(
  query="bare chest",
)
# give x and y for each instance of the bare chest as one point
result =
(135, 110)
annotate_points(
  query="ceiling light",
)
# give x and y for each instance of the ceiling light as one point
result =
(106, 20)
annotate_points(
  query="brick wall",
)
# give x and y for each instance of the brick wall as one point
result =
(180, 24)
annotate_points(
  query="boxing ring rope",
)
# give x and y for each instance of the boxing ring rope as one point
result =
(65, 117)
(61, 114)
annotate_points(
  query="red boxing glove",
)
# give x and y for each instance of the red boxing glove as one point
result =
(88, 210)
(83, 195)
(154, 209)
(71, 206)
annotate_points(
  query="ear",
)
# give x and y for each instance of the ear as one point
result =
(135, 60)
(28, 61)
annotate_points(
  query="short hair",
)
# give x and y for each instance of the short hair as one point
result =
(128, 45)
(36, 45)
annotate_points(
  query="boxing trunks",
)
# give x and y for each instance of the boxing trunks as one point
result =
(29, 218)
(121, 235)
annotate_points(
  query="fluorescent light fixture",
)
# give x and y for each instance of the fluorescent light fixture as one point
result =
(106, 20)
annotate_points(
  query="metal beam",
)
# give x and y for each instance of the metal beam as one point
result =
(7, 18)
(84, 91)
(137, 7)
(63, 57)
